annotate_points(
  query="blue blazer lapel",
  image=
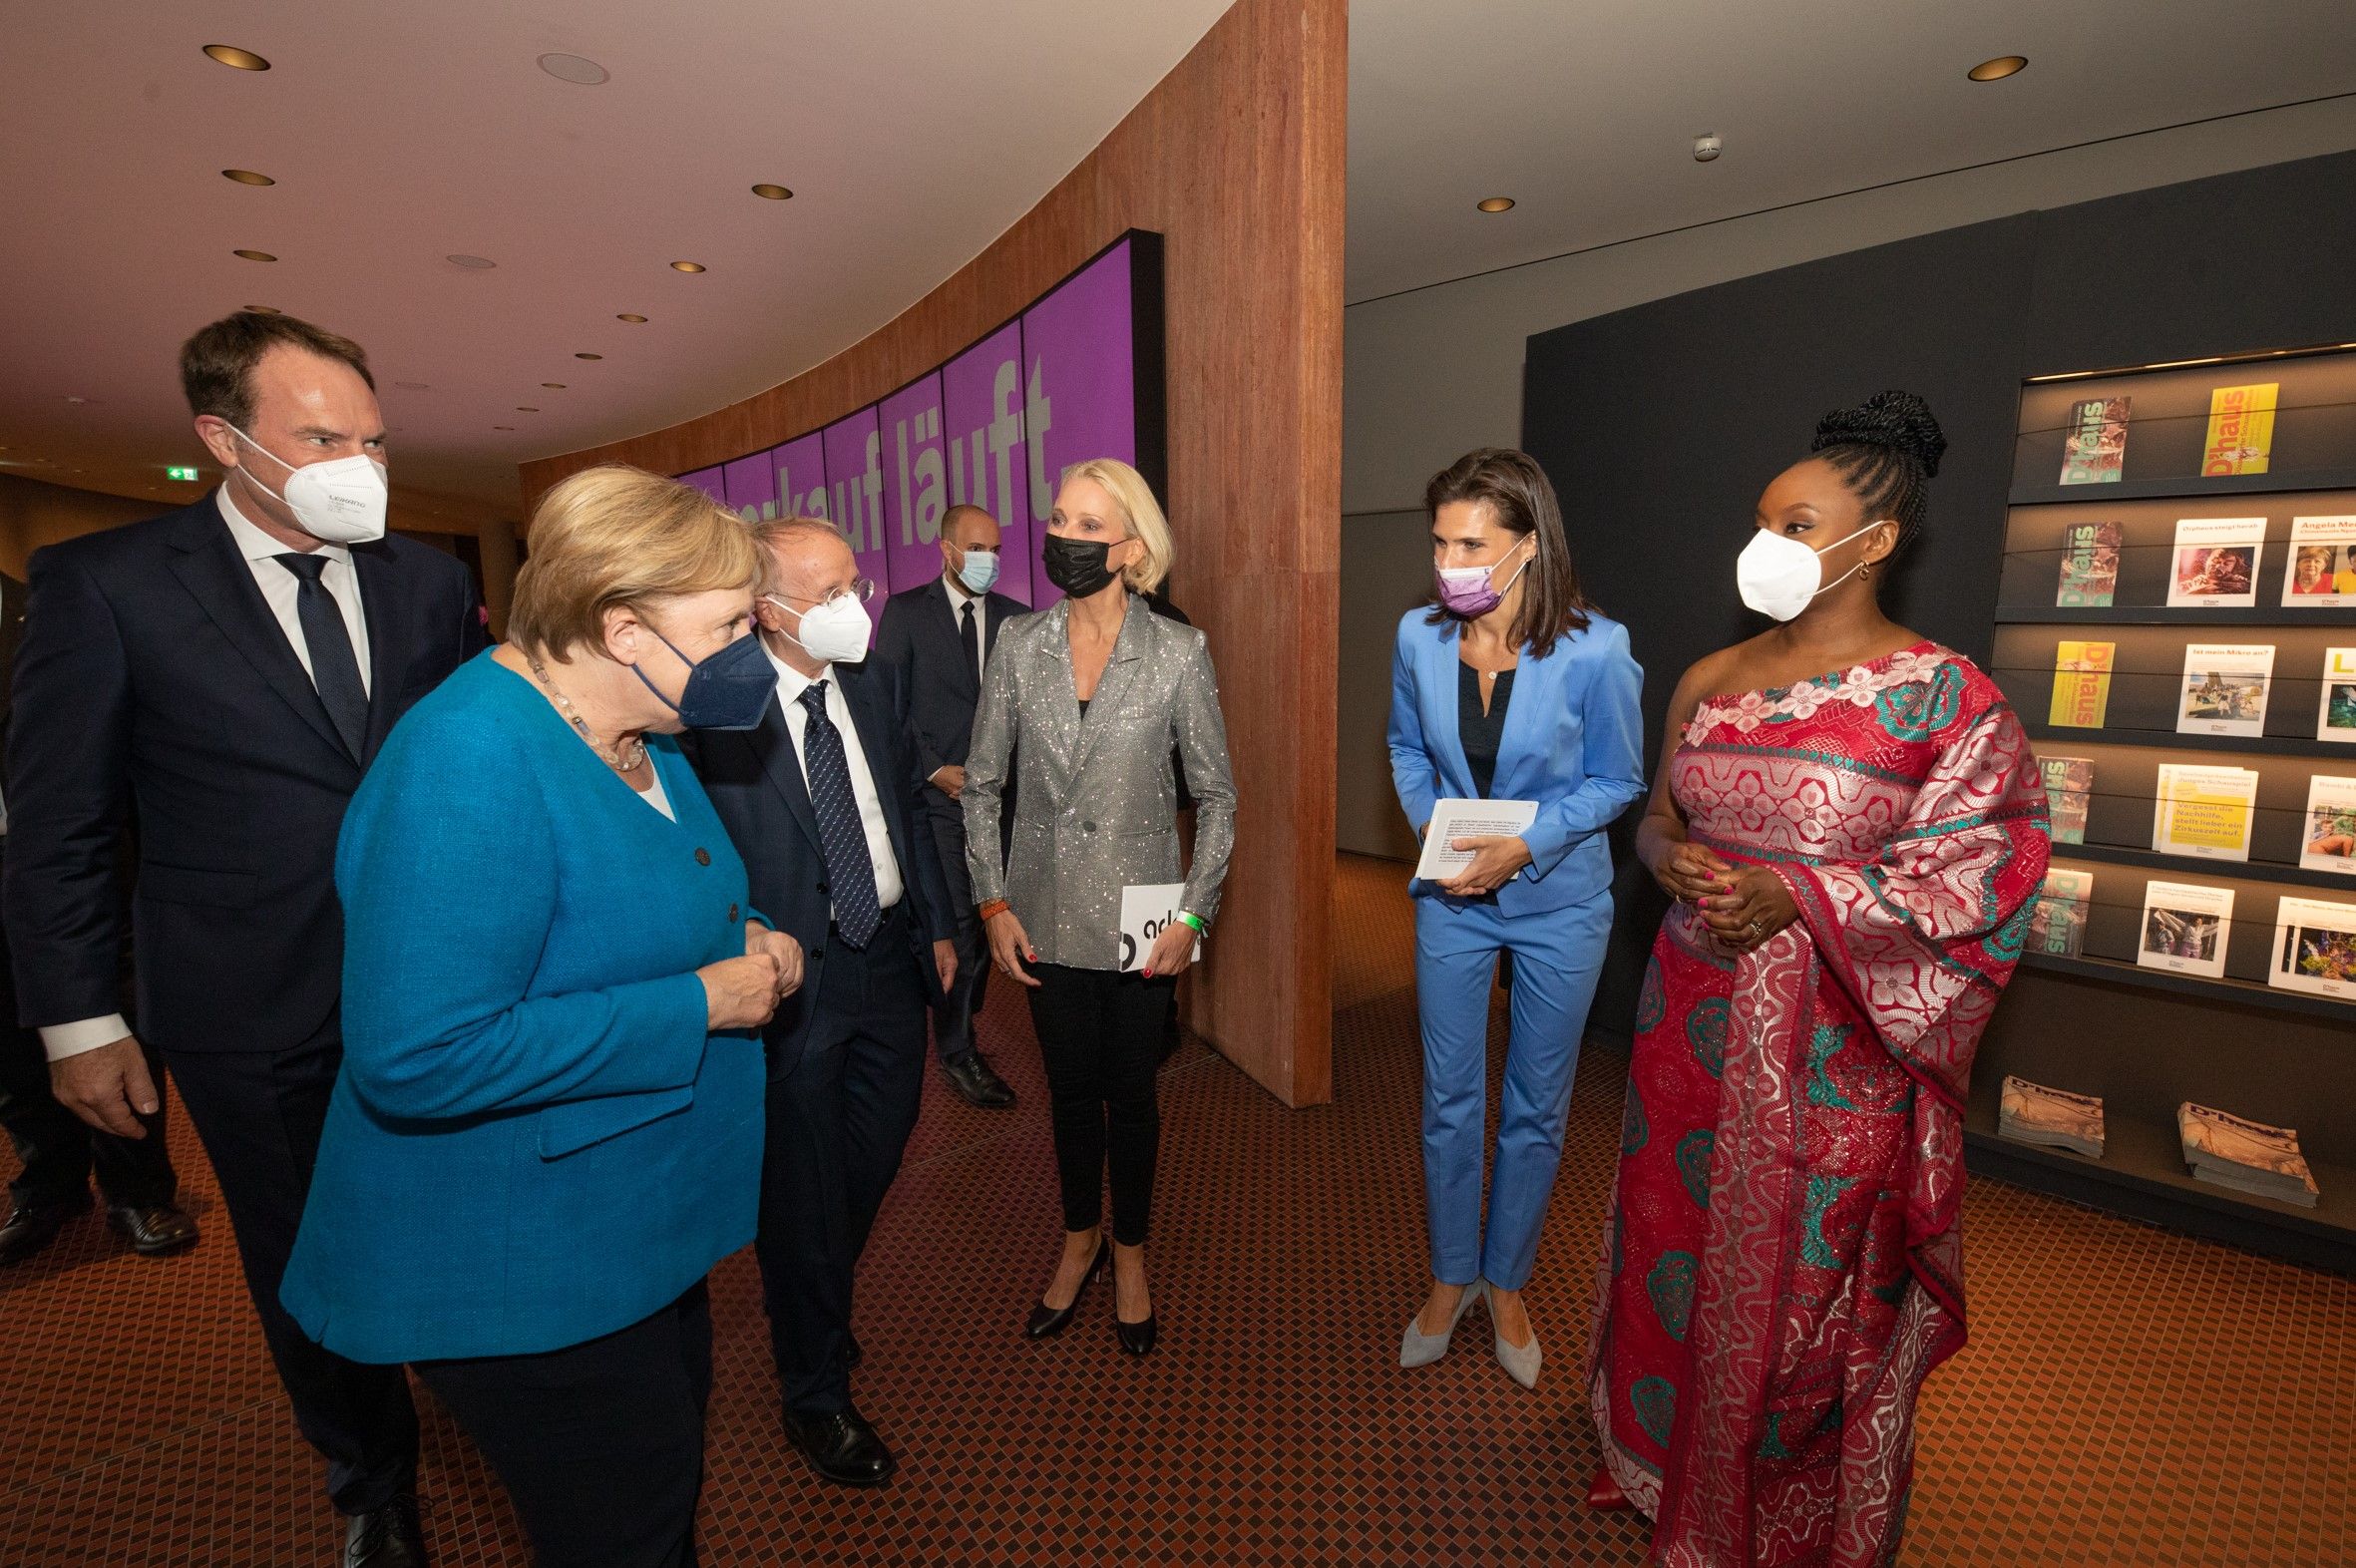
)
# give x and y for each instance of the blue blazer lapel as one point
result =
(1537, 686)
(1443, 711)
(380, 601)
(872, 718)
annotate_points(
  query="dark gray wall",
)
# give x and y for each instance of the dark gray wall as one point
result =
(1661, 424)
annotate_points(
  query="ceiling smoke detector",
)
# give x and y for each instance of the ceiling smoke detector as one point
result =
(1707, 148)
(577, 69)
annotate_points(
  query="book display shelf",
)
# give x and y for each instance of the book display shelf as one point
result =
(2175, 624)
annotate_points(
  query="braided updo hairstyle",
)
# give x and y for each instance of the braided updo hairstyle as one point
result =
(1885, 450)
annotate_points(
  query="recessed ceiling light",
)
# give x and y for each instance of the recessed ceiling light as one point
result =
(770, 193)
(71, 398)
(577, 69)
(1495, 205)
(633, 318)
(520, 408)
(553, 386)
(473, 263)
(686, 266)
(264, 311)
(503, 426)
(589, 356)
(246, 177)
(412, 386)
(1998, 69)
(255, 255)
(231, 55)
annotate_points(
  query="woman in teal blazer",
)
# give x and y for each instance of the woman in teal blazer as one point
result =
(548, 1124)
(1512, 687)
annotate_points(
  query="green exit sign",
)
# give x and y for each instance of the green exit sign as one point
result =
(187, 474)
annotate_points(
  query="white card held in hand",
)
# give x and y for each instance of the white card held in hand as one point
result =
(1147, 912)
(1468, 819)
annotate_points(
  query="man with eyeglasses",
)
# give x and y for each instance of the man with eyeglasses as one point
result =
(822, 800)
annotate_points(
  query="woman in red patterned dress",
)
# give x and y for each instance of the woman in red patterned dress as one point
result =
(1851, 822)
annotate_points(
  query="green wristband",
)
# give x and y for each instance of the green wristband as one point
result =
(1189, 919)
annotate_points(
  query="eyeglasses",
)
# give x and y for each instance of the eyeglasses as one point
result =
(860, 588)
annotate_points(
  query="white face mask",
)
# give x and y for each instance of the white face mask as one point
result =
(1779, 575)
(835, 632)
(340, 502)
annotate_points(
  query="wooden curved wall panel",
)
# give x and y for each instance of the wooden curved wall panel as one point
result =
(1236, 158)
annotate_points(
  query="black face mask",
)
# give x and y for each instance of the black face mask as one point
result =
(1076, 565)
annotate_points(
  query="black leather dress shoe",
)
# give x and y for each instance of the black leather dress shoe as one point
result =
(842, 1447)
(31, 1227)
(155, 1231)
(386, 1537)
(975, 1083)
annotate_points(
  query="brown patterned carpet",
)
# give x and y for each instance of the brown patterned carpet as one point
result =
(2129, 1397)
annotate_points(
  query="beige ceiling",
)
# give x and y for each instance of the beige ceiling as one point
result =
(1586, 112)
(912, 131)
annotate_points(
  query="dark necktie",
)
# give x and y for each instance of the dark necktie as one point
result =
(972, 635)
(333, 668)
(849, 870)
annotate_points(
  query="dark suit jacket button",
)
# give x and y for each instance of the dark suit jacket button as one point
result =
(822, 893)
(732, 911)
(818, 952)
(703, 857)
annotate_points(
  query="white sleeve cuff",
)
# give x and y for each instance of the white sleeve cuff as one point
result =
(61, 1040)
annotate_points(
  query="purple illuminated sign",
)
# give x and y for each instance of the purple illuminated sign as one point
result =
(1077, 375)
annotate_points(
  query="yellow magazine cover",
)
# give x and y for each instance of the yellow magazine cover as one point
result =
(2240, 430)
(2082, 684)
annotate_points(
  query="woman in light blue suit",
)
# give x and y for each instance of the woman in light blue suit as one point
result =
(1511, 688)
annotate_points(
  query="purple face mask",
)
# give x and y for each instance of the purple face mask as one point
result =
(1465, 591)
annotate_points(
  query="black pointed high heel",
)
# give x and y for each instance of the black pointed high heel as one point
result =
(1046, 1320)
(1135, 1337)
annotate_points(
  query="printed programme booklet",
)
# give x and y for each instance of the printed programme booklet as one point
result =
(2203, 811)
(2094, 448)
(2082, 684)
(2057, 922)
(2216, 561)
(2314, 947)
(2240, 435)
(2050, 1118)
(2185, 927)
(2322, 569)
(2224, 691)
(2248, 1156)
(2068, 785)
(2090, 565)
(2335, 713)
(2327, 834)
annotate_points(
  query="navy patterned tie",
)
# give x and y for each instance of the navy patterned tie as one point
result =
(329, 642)
(850, 870)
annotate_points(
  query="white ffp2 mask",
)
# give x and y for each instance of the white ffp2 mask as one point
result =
(834, 632)
(340, 502)
(1779, 575)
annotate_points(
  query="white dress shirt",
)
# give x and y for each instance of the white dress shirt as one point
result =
(279, 589)
(958, 599)
(791, 683)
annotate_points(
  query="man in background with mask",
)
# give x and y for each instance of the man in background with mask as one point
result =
(824, 802)
(938, 638)
(225, 673)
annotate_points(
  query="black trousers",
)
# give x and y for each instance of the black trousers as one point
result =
(1100, 1038)
(260, 1115)
(954, 1009)
(60, 1150)
(839, 1120)
(600, 1444)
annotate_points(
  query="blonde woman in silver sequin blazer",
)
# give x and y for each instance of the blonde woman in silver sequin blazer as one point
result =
(1089, 698)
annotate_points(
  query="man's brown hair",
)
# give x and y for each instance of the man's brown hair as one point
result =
(217, 365)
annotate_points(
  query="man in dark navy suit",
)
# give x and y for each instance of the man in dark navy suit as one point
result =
(59, 1152)
(939, 637)
(821, 801)
(225, 672)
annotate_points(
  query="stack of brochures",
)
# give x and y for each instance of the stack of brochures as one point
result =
(2247, 1156)
(2051, 1118)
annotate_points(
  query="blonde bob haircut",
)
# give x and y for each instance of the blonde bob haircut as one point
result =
(1143, 513)
(615, 535)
